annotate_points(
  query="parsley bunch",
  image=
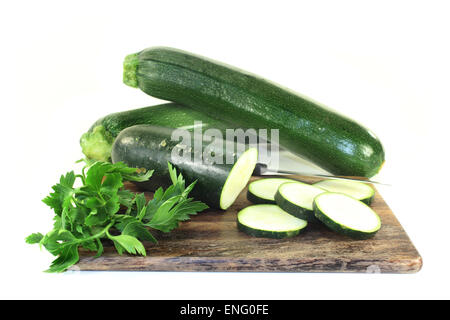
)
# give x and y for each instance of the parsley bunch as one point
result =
(87, 214)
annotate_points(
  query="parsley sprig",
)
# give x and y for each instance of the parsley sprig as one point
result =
(85, 215)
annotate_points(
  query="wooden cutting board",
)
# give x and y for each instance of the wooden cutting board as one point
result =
(211, 241)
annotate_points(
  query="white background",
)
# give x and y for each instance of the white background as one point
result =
(385, 64)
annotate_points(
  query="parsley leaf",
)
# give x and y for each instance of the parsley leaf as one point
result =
(128, 243)
(58, 200)
(34, 238)
(168, 215)
(68, 256)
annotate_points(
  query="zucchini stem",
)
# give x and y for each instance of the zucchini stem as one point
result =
(129, 70)
(97, 144)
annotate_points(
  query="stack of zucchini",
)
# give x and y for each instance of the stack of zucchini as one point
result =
(223, 97)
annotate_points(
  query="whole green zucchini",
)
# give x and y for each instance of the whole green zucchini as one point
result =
(328, 139)
(218, 182)
(96, 143)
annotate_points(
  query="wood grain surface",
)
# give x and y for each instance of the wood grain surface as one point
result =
(211, 241)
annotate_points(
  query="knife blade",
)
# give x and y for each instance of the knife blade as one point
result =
(262, 169)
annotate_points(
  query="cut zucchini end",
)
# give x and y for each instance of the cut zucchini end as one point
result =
(346, 215)
(358, 190)
(97, 144)
(296, 198)
(238, 177)
(129, 70)
(269, 221)
(263, 191)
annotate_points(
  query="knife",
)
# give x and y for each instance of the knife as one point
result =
(262, 169)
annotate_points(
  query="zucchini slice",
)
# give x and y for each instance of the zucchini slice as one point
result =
(346, 215)
(263, 190)
(358, 190)
(238, 177)
(269, 221)
(297, 199)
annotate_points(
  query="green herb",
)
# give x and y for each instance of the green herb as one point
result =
(85, 215)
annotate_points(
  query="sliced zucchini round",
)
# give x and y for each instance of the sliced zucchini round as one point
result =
(238, 177)
(358, 190)
(269, 221)
(346, 215)
(263, 190)
(297, 199)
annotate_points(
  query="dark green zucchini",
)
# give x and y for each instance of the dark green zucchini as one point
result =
(152, 147)
(328, 139)
(97, 142)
